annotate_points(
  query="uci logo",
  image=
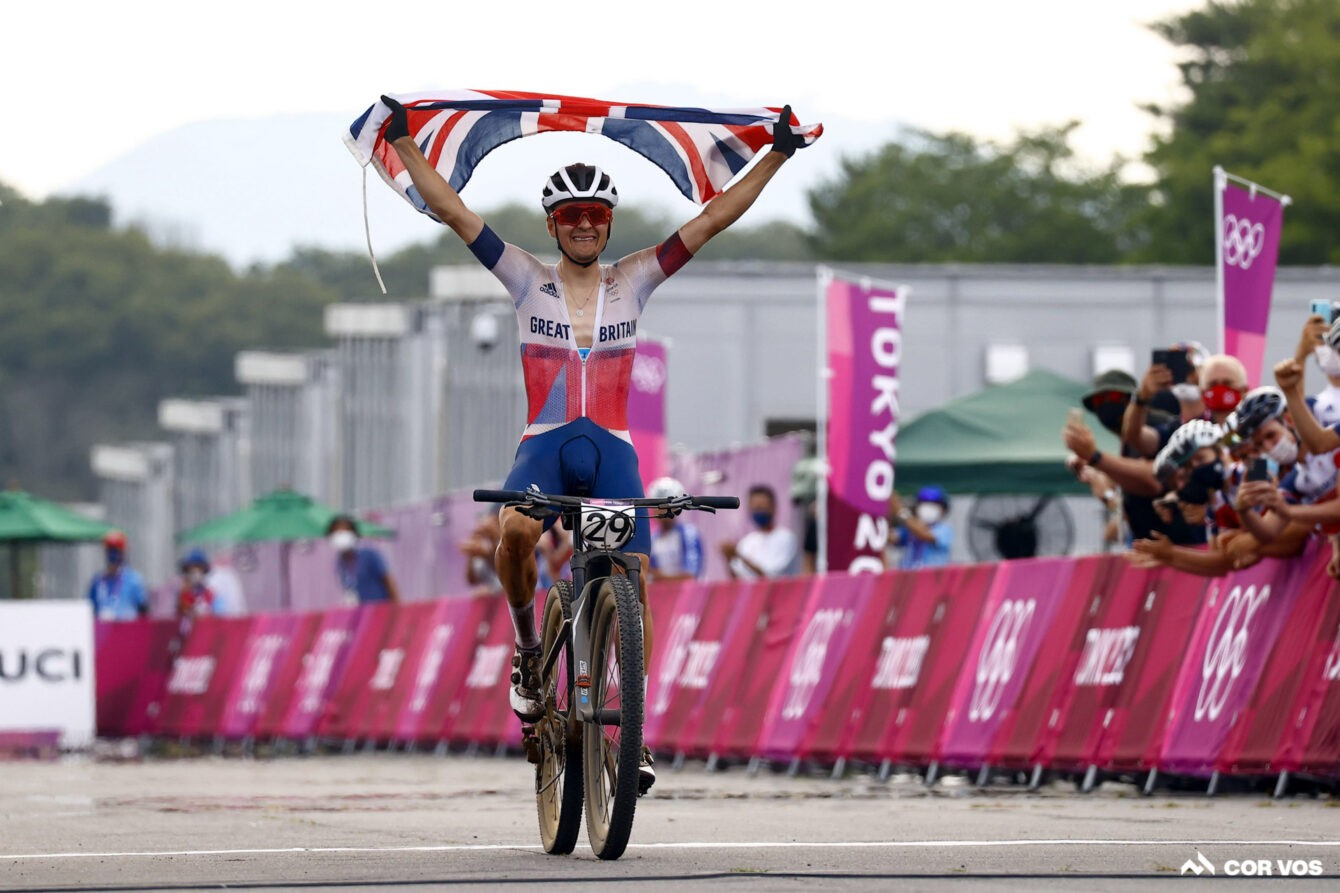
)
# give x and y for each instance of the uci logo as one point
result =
(49, 665)
(1243, 241)
(1226, 651)
(995, 665)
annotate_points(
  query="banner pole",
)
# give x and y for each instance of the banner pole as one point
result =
(1220, 183)
(823, 276)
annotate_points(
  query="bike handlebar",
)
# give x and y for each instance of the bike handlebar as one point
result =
(522, 496)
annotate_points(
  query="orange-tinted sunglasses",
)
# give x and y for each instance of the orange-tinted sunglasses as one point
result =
(571, 215)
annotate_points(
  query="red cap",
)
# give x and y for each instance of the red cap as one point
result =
(114, 539)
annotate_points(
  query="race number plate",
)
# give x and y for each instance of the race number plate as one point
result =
(608, 526)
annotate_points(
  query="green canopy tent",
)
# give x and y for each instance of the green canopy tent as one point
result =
(1002, 439)
(281, 516)
(26, 519)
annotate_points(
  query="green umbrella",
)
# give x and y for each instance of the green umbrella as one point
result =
(282, 516)
(26, 519)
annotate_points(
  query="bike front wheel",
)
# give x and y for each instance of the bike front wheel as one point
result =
(558, 774)
(612, 740)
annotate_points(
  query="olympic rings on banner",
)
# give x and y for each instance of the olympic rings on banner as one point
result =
(1243, 241)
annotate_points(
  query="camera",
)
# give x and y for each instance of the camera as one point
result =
(1204, 480)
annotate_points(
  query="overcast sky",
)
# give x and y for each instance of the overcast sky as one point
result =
(86, 82)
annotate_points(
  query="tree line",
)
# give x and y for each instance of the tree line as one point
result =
(99, 322)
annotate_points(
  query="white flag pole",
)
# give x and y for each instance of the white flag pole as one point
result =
(1220, 183)
(823, 277)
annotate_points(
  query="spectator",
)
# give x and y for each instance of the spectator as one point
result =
(1130, 475)
(479, 548)
(769, 551)
(1325, 403)
(924, 533)
(118, 592)
(1297, 477)
(552, 553)
(361, 570)
(1222, 382)
(805, 497)
(195, 598)
(677, 545)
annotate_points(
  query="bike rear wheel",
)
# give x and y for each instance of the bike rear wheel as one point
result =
(613, 741)
(558, 775)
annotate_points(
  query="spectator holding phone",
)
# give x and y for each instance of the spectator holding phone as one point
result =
(1312, 342)
(1222, 382)
(1130, 475)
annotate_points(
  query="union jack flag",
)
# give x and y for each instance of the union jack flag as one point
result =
(700, 149)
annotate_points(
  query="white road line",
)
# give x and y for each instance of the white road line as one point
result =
(701, 845)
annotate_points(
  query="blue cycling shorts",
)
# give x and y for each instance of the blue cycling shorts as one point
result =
(582, 459)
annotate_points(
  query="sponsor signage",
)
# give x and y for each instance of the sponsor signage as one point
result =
(46, 669)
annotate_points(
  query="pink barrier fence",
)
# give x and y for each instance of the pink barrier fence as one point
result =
(1067, 664)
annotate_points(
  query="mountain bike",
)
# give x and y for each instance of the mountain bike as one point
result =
(587, 745)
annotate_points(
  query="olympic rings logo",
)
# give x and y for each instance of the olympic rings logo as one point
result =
(649, 374)
(1000, 651)
(1243, 241)
(1226, 652)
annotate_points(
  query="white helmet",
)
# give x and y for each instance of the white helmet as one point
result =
(666, 488)
(578, 181)
(1183, 444)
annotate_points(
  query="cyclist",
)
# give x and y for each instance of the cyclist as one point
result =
(578, 322)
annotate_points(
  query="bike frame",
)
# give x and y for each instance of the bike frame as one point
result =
(589, 568)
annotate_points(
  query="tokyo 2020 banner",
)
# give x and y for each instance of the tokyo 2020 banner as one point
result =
(1249, 221)
(865, 350)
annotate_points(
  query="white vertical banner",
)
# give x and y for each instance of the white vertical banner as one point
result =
(46, 670)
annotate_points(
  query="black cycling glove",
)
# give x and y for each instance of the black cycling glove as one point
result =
(784, 139)
(398, 125)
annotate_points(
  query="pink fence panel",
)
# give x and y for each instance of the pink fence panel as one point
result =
(269, 641)
(202, 675)
(1240, 619)
(1018, 612)
(132, 661)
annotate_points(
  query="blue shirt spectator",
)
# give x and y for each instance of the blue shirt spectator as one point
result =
(361, 570)
(118, 592)
(924, 535)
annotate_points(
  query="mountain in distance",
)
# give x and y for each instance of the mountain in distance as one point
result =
(253, 189)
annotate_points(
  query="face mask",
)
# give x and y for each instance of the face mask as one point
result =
(195, 576)
(1110, 416)
(343, 540)
(1285, 451)
(1186, 392)
(1328, 360)
(762, 519)
(929, 512)
(1221, 398)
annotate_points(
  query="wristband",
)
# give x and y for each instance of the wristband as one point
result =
(1140, 401)
(1095, 459)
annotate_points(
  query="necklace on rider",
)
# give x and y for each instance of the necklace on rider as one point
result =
(581, 310)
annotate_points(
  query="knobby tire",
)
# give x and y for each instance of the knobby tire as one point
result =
(558, 776)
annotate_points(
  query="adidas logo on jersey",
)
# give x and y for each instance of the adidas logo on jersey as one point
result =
(550, 289)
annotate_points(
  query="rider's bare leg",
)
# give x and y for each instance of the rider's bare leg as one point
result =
(518, 572)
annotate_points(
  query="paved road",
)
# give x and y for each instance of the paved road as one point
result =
(394, 821)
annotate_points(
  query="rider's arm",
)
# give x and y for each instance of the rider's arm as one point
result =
(437, 193)
(730, 205)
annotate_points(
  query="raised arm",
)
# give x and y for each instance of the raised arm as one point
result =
(441, 199)
(730, 205)
(1318, 440)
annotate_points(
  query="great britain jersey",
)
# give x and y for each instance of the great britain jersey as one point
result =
(565, 382)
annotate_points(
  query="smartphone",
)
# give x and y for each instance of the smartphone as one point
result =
(1259, 470)
(1178, 363)
(1325, 309)
(1075, 415)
